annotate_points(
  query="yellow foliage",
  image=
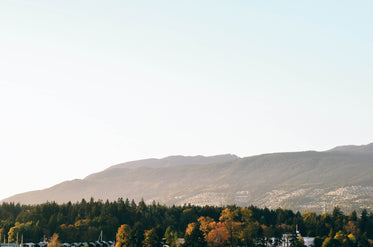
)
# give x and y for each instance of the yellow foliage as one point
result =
(54, 242)
(352, 238)
(205, 225)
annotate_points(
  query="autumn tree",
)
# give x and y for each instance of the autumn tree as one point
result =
(13, 232)
(194, 236)
(124, 238)
(206, 225)
(233, 227)
(54, 242)
(28, 230)
(151, 238)
(246, 215)
(218, 236)
(331, 242)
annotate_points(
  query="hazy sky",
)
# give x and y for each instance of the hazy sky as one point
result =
(89, 84)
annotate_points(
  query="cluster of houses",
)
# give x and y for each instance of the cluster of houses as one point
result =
(44, 244)
(88, 244)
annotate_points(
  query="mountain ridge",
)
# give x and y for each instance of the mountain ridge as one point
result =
(353, 148)
(175, 160)
(296, 180)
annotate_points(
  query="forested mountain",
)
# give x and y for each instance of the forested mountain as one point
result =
(301, 181)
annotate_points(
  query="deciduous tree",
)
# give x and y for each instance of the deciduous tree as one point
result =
(194, 236)
(124, 238)
(151, 238)
(54, 242)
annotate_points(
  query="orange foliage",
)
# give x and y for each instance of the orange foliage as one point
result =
(219, 235)
(205, 225)
(352, 227)
(190, 228)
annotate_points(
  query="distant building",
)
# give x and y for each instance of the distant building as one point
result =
(309, 241)
(180, 241)
(8, 245)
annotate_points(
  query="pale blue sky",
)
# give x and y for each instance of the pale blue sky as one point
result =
(88, 84)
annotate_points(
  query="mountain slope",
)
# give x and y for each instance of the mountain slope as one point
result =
(300, 181)
(354, 149)
(176, 161)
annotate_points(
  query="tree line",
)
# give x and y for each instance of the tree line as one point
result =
(141, 224)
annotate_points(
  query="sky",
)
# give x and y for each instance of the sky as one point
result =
(87, 84)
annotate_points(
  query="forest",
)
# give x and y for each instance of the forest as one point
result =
(140, 224)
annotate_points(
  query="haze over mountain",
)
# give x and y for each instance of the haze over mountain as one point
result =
(308, 180)
(354, 148)
(176, 161)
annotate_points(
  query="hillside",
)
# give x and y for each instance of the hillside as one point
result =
(302, 181)
(176, 161)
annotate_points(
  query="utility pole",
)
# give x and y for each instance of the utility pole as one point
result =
(100, 237)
